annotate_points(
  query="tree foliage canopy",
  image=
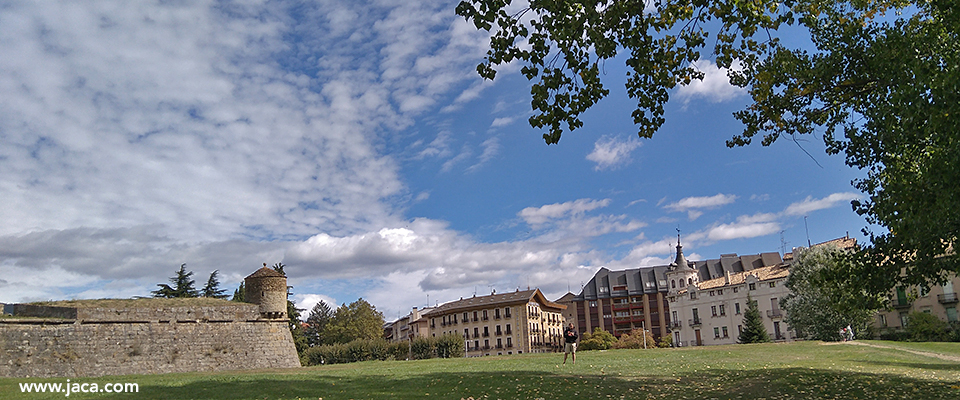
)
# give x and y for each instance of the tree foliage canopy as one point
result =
(824, 297)
(357, 320)
(880, 82)
(182, 285)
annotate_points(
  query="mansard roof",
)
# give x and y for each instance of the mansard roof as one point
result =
(499, 299)
(636, 281)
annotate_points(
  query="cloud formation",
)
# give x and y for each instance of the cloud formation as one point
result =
(715, 85)
(810, 204)
(612, 152)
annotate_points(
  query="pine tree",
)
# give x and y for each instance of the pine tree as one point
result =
(183, 286)
(212, 288)
(753, 329)
(238, 294)
(317, 322)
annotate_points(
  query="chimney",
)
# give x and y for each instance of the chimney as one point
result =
(727, 280)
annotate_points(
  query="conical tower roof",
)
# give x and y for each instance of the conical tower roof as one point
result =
(680, 262)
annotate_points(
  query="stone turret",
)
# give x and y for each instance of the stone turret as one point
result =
(267, 288)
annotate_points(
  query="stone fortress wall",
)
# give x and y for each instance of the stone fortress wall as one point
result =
(143, 337)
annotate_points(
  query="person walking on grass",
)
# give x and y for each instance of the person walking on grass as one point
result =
(570, 337)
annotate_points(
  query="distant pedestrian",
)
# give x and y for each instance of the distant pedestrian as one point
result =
(843, 334)
(570, 337)
(849, 336)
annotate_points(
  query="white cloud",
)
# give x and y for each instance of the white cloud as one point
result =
(810, 204)
(536, 216)
(741, 230)
(714, 87)
(611, 153)
(307, 301)
(701, 202)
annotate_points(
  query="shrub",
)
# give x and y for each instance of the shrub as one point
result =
(925, 327)
(635, 340)
(449, 345)
(665, 342)
(599, 340)
(399, 351)
(421, 348)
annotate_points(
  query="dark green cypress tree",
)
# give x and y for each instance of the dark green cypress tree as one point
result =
(238, 294)
(753, 329)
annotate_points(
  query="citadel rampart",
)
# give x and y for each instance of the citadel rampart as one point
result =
(144, 336)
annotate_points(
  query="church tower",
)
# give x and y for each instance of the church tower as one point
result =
(681, 273)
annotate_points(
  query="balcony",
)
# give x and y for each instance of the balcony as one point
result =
(900, 302)
(675, 325)
(947, 298)
(621, 306)
(622, 319)
(774, 314)
(695, 322)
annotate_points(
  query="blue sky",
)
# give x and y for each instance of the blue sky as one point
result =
(354, 142)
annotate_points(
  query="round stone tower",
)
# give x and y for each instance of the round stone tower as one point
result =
(267, 288)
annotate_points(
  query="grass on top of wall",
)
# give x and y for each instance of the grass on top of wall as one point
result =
(802, 370)
(141, 302)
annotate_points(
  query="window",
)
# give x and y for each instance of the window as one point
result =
(736, 289)
(606, 316)
(883, 318)
(485, 315)
(499, 343)
(620, 314)
(496, 313)
(674, 315)
(476, 344)
(466, 317)
(736, 308)
(723, 310)
(673, 284)
(498, 331)
(593, 304)
(486, 331)
(693, 295)
(716, 332)
(713, 310)
(712, 293)
(682, 283)
(475, 319)
(725, 333)
(508, 329)
(509, 341)
(719, 292)
(951, 314)
(753, 286)
(773, 284)
(604, 289)
(476, 333)
(486, 344)
(637, 312)
(506, 313)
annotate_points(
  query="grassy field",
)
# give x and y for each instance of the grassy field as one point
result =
(805, 370)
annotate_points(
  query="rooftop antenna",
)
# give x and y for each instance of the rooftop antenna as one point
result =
(808, 231)
(783, 244)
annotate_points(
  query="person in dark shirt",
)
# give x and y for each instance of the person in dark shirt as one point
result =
(570, 337)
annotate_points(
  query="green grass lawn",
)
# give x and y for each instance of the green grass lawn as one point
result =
(804, 370)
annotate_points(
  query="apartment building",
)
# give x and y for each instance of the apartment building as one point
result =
(621, 301)
(498, 324)
(408, 327)
(711, 312)
(939, 300)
